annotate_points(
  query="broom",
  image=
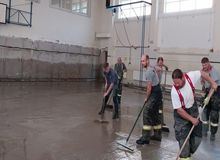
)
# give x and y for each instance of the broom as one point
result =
(127, 139)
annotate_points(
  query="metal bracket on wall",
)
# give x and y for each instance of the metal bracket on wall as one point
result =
(19, 17)
(108, 6)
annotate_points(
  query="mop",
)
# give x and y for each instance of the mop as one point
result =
(109, 107)
(127, 139)
(103, 108)
(190, 132)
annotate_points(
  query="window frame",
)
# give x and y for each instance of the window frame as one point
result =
(186, 12)
(88, 14)
(132, 17)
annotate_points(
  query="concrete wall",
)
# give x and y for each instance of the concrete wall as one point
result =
(58, 45)
(24, 59)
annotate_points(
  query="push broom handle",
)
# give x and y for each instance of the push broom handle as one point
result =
(165, 78)
(190, 132)
(110, 98)
(136, 121)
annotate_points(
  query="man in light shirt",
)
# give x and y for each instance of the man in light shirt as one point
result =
(211, 112)
(186, 110)
(151, 119)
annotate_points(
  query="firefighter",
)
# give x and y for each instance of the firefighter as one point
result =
(186, 110)
(160, 69)
(153, 99)
(120, 68)
(111, 85)
(211, 112)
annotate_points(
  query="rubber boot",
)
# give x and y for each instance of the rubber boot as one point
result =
(188, 158)
(212, 137)
(115, 100)
(119, 109)
(205, 128)
(145, 138)
(157, 135)
(115, 115)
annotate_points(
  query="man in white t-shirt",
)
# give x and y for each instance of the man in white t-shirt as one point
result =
(186, 110)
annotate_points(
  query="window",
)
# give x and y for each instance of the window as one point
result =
(76, 6)
(133, 10)
(186, 5)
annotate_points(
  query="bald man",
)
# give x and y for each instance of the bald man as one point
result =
(151, 119)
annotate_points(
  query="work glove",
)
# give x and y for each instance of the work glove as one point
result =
(206, 101)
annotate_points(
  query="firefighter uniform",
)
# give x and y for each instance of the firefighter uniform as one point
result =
(151, 119)
(182, 128)
(160, 71)
(184, 98)
(210, 116)
(120, 68)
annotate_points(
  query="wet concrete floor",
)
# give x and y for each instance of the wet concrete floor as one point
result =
(55, 121)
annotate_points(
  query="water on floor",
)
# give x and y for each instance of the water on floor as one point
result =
(60, 121)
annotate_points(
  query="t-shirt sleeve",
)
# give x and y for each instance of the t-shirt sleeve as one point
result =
(149, 75)
(175, 99)
(194, 76)
(215, 75)
(112, 77)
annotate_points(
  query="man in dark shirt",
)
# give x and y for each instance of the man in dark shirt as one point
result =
(111, 85)
(120, 68)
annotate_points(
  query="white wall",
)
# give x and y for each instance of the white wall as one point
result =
(186, 31)
(215, 56)
(56, 25)
(185, 38)
(182, 39)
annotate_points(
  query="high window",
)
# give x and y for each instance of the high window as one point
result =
(186, 5)
(133, 10)
(75, 6)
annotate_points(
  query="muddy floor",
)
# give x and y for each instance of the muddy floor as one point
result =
(57, 121)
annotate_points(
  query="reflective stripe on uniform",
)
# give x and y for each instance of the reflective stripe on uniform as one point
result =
(205, 122)
(157, 126)
(146, 127)
(119, 95)
(214, 124)
(160, 111)
(188, 158)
